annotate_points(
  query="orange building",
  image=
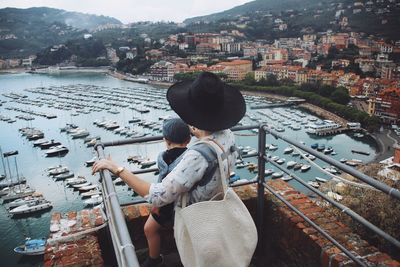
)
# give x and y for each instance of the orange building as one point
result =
(387, 105)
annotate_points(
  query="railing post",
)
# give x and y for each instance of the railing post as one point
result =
(122, 242)
(260, 196)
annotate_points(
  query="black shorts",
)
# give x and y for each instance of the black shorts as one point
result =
(166, 214)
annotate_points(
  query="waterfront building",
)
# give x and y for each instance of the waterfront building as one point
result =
(162, 71)
(386, 106)
(236, 69)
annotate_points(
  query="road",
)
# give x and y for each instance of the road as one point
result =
(386, 140)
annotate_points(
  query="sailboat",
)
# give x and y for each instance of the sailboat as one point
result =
(17, 191)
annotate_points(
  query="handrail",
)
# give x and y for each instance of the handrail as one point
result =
(144, 139)
(119, 231)
(315, 226)
(340, 206)
(121, 238)
(365, 178)
(260, 194)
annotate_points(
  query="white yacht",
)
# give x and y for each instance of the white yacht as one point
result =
(325, 126)
(94, 200)
(56, 151)
(39, 204)
(288, 150)
(291, 164)
(305, 168)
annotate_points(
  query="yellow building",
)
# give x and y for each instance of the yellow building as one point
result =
(236, 70)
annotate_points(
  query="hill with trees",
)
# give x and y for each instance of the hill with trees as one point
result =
(257, 19)
(27, 31)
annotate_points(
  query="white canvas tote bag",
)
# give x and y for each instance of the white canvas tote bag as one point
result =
(215, 232)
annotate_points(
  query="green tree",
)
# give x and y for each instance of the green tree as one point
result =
(326, 90)
(249, 79)
(272, 80)
(341, 96)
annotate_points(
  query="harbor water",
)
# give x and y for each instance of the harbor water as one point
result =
(53, 95)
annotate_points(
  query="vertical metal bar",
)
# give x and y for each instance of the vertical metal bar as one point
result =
(260, 195)
(125, 248)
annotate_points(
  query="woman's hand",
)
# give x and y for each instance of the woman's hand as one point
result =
(104, 164)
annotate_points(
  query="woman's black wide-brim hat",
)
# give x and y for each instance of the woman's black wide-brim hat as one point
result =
(207, 103)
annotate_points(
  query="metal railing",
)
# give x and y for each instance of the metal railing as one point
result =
(122, 243)
(125, 251)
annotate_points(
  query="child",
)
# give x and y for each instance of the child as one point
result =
(176, 135)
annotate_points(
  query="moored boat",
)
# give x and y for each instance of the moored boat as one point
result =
(38, 205)
(57, 151)
(32, 247)
(22, 201)
(313, 184)
(305, 168)
(91, 193)
(277, 175)
(57, 170)
(94, 200)
(268, 172)
(88, 187)
(321, 180)
(64, 176)
(291, 164)
(90, 162)
(74, 181)
(49, 144)
(288, 150)
(147, 164)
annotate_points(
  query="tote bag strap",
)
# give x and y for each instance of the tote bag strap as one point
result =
(220, 154)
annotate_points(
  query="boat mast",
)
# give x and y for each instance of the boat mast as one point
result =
(9, 169)
(2, 161)
(16, 169)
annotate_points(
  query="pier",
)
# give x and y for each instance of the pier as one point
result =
(291, 101)
(272, 105)
(331, 131)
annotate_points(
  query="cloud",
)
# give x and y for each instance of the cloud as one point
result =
(134, 10)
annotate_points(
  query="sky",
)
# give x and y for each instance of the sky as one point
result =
(134, 10)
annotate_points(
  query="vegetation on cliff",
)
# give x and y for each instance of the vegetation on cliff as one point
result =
(378, 208)
(84, 53)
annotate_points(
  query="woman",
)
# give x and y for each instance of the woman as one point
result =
(210, 107)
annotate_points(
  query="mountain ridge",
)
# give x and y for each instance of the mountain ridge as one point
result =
(26, 31)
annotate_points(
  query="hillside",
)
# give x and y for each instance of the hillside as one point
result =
(258, 6)
(258, 19)
(26, 31)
